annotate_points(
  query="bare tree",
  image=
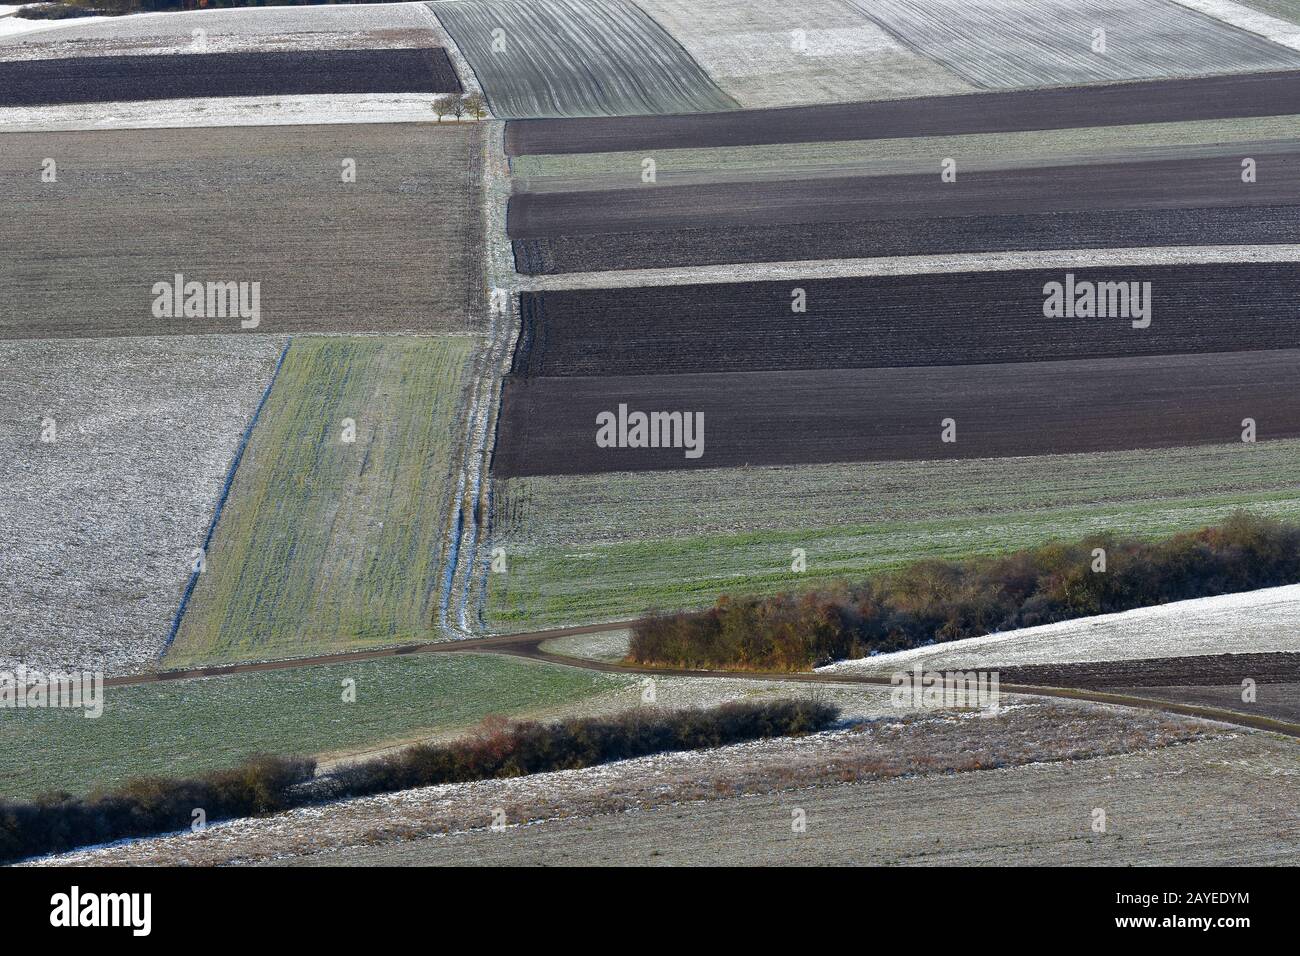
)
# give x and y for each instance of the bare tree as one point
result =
(442, 105)
(457, 107)
(475, 105)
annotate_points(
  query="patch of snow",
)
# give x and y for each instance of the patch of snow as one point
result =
(1261, 621)
(1244, 18)
(310, 109)
(11, 26)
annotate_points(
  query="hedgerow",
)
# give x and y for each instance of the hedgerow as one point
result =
(935, 601)
(264, 785)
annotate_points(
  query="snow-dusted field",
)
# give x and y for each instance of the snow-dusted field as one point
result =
(226, 30)
(1006, 44)
(576, 58)
(817, 51)
(97, 527)
(605, 646)
(1249, 622)
(13, 26)
(298, 110)
(1252, 21)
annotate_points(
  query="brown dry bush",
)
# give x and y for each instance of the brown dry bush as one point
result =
(936, 601)
(147, 805)
(526, 748)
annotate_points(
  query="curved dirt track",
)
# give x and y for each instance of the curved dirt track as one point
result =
(528, 645)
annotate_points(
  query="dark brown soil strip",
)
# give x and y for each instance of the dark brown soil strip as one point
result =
(1200, 182)
(1199, 671)
(549, 425)
(109, 79)
(1156, 101)
(907, 237)
(966, 318)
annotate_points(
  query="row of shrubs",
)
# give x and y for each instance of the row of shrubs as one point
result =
(513, 750)
(933, 601)
(148, 805)
(264, 785)
(57, 11)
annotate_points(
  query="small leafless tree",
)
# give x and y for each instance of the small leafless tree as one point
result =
(442, 105)
(475, 105)
(456, 107)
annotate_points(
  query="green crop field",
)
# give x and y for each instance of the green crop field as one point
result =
(327, 544)
(605, 547)
(184, 727)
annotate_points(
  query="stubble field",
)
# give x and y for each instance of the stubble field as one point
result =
(392, 251)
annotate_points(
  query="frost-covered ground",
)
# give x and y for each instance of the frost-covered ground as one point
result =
(1249, 622)
(885, 749)
(14, 26)
(1007, 44)
(97, 527)
(817, 51)
(307, 109)
(1252, 21)
(249, 28)
(605, 646)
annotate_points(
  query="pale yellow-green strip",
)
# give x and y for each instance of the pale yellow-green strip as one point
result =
(327, 544)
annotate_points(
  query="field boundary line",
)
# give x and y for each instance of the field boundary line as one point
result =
(221, 499)
(465, 588)
(942, 264)
(460, 65)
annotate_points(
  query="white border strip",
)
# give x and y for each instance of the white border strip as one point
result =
(916, 265)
